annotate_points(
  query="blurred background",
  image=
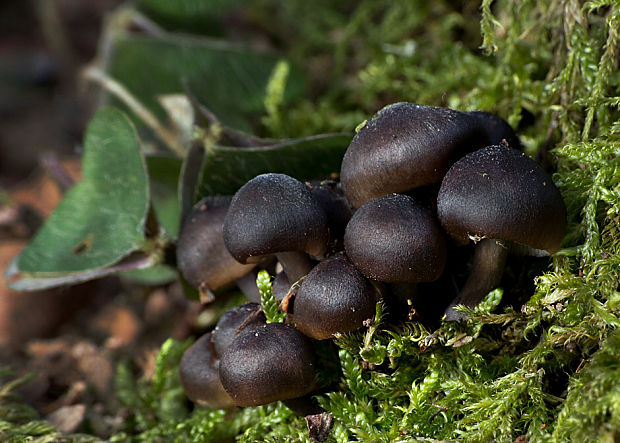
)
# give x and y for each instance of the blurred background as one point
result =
(43, 44)
(66, 341)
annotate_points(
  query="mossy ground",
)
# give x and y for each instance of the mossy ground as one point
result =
(546, 362)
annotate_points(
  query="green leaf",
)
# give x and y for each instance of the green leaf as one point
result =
(158, 274)
(20, 281)
(188, 180)
(164, 176)
(101, 219)
(186, 9)
(230, 80)
(199, 16)
(226, 169)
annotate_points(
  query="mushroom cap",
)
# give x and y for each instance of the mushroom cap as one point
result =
(333, 298)
(233, 321)
(405, 146)
(274, 213)
(331, 198)
(501, 193)
(202, 256)
(199, 374)
(395, 239)
(497, 129)
(269, 363)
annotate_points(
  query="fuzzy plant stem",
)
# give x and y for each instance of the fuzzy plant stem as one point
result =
(485, 274)
(296, 264)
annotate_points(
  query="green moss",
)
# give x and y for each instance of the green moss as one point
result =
(591, 411)
(268, 301)
(20, 422)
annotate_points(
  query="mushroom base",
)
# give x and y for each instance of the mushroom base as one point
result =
(487, 268)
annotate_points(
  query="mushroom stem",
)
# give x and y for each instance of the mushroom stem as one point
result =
(485, 274)
(247, 285)
(302, 406)
(401, 298)
(296, 264)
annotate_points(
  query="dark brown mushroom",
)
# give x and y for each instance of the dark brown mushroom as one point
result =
(280, 286)
(233, 322)
(199, 374)
(498, 130)
(276, 214)
(334, 298)
(405, 146)
(501, 199)
(395, 239)
(247, 285)
(269, 363)
(202, 256)
(329, 195)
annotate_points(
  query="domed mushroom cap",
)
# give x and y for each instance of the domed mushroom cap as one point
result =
(233, 322)
(274, 213)
(201, 254)
(405, 146)
(500, 193)
(497, 129)
(395, 239)
(269, 363)
(331, 198)
(199, 374)
(333, 298)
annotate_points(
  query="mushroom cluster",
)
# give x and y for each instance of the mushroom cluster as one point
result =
(425, 180)
(246, 361)
(417, 183)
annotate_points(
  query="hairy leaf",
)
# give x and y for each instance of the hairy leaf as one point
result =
(101, 219)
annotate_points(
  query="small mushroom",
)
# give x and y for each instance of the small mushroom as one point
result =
(395, 239)
(276, 214)
(329, 195)
(406, 146)
(233, 321)
(199, 374)
(498, 130)
(333, 298)
(502, 199)
(280, 286)
(202, 256)
(247, 285)
(269, 363)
